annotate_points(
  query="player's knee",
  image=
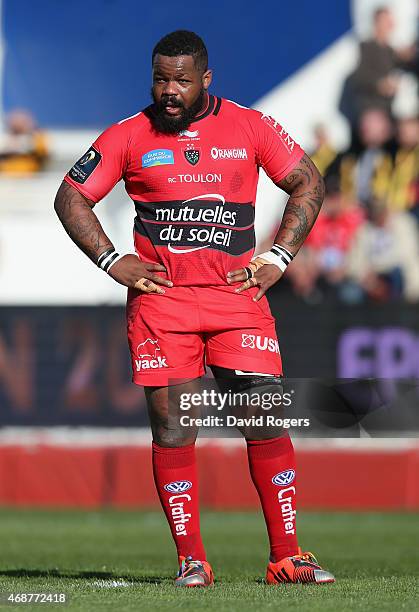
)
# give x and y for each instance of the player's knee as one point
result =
(166, 425)
(172, 437)
(168, 431)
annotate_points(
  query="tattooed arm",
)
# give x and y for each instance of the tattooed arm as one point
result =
(81, 224)
(306, 190)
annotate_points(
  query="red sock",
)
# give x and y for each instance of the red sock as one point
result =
(272, 467)
(176, 481)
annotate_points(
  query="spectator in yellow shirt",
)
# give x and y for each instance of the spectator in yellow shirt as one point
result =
(24, 149)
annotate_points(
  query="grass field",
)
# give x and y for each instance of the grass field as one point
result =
(374, 557)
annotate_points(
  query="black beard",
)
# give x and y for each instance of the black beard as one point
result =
(173, 125)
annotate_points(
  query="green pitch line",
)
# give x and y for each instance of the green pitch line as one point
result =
(374, 558)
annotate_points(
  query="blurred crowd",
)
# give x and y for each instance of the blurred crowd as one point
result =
(365, 243)
(23, 146)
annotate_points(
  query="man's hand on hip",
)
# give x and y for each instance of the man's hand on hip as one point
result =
(263, 275)
(132, 272)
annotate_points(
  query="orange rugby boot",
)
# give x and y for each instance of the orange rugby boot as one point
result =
(301, 568)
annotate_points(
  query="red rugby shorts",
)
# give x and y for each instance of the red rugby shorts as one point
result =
(173, 336)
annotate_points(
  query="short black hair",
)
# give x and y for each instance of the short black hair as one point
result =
(183, 42)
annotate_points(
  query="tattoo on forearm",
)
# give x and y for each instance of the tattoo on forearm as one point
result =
(294, 225)
(80, 222)
(306, 189)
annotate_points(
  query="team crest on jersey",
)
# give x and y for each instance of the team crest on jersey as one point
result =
(192, 154)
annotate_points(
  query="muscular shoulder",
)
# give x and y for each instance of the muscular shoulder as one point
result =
(237, 112)
(121, 134)
(127, 126)
(254, 118)
(134, 122)
(131, 125)
(248, 119)
(261, 127)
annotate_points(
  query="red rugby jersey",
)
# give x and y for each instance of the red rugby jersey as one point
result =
(194, 192)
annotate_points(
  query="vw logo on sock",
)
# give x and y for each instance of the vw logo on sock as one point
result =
(178, 486)
(284, 478)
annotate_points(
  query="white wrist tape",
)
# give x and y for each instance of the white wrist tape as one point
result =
(108, 259)
(113, 262)
(278, 255)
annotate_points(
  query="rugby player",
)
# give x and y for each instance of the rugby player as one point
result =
(190, 163)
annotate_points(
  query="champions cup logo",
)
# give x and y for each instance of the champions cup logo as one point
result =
(84, 167)
(178, 486)
(284, 478)
(86, 158)
(147, 356)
